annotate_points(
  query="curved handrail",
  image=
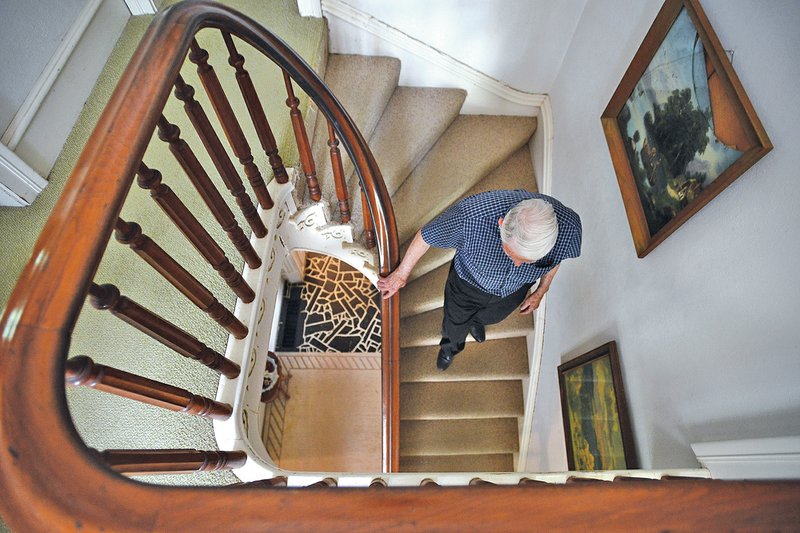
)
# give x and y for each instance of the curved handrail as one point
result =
(49, 480)
(42, 452)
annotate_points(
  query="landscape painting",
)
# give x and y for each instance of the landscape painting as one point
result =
(679, 127)
(668, 128)
(595, 417)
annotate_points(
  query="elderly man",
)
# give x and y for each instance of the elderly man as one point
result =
(505, 242)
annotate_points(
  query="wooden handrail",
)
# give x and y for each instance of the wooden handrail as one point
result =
(50, 480)
(42, 454)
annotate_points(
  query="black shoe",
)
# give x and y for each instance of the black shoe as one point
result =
(478, 332)
(444, 361)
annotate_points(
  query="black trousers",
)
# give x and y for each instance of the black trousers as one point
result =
(466, 305)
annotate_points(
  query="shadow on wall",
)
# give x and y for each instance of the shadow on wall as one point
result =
(785, 422)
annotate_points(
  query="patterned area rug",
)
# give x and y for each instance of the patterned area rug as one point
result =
(341, 311)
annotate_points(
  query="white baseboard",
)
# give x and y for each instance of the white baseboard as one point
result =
(309, 8)
(141, 7)
(767, 458)
(19, 183)
(355, 32)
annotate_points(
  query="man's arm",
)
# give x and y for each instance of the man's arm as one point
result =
(397, 279)
(532, 302)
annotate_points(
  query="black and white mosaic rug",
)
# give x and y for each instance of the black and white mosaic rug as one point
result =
(340, 311)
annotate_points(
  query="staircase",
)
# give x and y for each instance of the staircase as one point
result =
(467, 418)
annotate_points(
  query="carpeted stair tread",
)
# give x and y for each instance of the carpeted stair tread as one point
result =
(412, 122)
(363, 85)
(486, 462)
(425, 293)
(471, 148)
(460, 399)
(459, 436)
(424, 329)
(493, 359)
(433, 259)
(516, 172)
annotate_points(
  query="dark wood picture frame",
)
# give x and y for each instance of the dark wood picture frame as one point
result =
(644, 188)
(619, 432)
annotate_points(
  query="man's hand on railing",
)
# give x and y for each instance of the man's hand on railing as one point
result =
(392, 283)
(397, 279)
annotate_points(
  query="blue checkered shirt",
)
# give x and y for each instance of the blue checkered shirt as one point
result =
(471, 227)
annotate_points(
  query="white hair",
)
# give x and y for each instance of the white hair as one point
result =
(530, 228)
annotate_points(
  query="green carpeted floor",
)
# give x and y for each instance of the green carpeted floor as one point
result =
(102, 420)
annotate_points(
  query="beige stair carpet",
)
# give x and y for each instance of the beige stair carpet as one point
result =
(425, 328)
(494, 359)
(472, 146)
(363, 85)
(465, 419)
(459, 436)
(460, 399)
(413, 121)
(497, 462)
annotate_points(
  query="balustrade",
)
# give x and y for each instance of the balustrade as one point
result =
(369, 227)
(338, 175)
(185, 93)
(139, 462)
(108, 297)
(257, 115)
(194, 231)
(230, 124)
(81, 370)
(130, 233)
(42, 312)
(170, 133)
(303, 146)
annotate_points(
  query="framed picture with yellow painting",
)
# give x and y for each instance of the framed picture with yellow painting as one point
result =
(596, 424)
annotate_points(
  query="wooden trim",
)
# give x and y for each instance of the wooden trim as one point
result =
(606, 350)
(47, 475)
(757, 146)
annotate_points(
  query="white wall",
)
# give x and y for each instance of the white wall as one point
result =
(520, 43)
(708, 324)
(49, 21)
(40, 26)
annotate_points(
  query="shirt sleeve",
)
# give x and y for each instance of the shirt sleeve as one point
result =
(446, 230)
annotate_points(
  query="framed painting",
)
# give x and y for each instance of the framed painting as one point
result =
(596, 424)
(679, 127)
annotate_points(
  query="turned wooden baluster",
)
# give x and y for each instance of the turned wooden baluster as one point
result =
(130, 233)
(185, 93)
(303, 146)
(194, 231)
(257, 115)
(81, 370)
(108, 297)
(369, 228)
(230, 125)
(170, 133)
(338, 174)
(140, 462)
